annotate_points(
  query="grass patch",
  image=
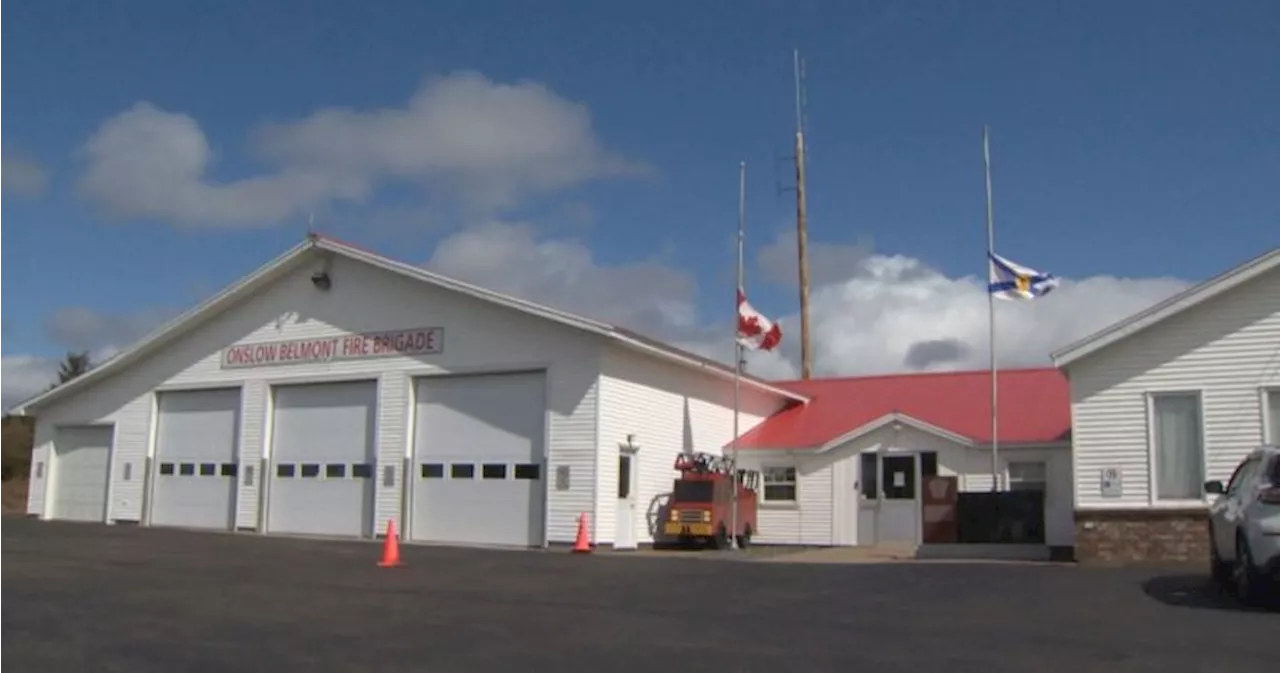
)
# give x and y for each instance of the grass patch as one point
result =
(13, 498)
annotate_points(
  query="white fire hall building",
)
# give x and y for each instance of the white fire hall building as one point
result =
(333, 391)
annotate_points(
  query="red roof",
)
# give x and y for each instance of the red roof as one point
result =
(1034, 407)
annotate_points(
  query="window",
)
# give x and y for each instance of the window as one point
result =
(870, 476)
(284, 470)
(208, 469)
(779, 484)
(1273, 416)
(362, 470)
(493, 471)
(432, 471)
(1026, 476)
(527, 471)
(1242, 474)
(310, 470)
(624, 477)
(462, 471)
(228, 469)
(1179, 450)
(929, 464)
(335, 470)
(186, 469)
(166, 468)
(693, 491)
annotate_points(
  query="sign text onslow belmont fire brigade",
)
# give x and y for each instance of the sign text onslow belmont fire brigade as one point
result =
(417, 341)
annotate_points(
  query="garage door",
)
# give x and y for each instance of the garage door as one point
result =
(196, 459)
(81, 471)
(478, 453)
(322, 450)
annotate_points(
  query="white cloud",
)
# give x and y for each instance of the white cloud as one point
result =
(79, 328)
(22, 176)
(146, 162)
(563, 273)
(871, 313)
(75, 329)
(492, 142)
(896, 314)
(25, 375)
(461, 137)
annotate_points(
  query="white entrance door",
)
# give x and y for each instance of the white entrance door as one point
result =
(625, 523)
(81, 471)
(889, 499)
(899, 517)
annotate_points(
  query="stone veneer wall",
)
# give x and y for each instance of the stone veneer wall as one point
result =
(1144, 535)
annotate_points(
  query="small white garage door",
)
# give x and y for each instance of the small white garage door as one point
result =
(322, 451)
(478, 453)
(196, 458)
(81, 472)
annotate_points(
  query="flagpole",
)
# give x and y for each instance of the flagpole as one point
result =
(991, 319)
(737, 360)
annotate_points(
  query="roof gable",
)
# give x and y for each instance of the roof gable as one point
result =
(277, 267)
(889, 419)
(1034, 408)
(1168, 308)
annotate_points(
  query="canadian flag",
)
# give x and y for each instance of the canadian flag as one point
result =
(755, 331)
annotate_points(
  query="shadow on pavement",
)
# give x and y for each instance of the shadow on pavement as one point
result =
(1197, 591)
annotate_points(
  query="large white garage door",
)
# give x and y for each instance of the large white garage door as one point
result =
(478, 453)
(196, 459)
(322, 449)
(81, 472)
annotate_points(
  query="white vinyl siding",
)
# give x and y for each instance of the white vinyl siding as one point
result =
(829, 484)
(478, 337)
(667, 410)
(808, 519)
(253, 422)
(1224, 348)
(393, 412)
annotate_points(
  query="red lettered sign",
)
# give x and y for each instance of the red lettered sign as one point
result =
(406, 342)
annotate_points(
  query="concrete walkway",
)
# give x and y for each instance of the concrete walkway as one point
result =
(841, 555)
(923, 554)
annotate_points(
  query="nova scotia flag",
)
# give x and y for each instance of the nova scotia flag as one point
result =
(1016, 282)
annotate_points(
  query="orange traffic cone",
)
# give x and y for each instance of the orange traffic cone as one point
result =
(390, 547)
(582, 545)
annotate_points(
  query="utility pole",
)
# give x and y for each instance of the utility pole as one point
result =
(802, 234)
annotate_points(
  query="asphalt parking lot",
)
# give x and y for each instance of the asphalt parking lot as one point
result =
(90, 597)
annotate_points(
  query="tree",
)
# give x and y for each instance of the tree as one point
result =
(19, 431)
(72, 366)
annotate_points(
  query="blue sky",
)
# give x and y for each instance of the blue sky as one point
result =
(1136, 139)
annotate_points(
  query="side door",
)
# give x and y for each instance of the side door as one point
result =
(1228, 510)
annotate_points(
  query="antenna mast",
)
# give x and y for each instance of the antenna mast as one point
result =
(802, 235)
